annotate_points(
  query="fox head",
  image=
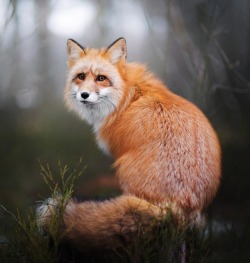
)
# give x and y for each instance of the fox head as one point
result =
(94, 83)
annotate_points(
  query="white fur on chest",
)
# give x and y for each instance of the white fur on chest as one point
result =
(102, 144)
(97, 119)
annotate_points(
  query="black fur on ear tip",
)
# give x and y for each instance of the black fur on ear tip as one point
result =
(83, 48)
(115, 42)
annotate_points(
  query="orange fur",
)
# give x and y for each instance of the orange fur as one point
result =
(109, 223)
(166, 151)
(167, 154)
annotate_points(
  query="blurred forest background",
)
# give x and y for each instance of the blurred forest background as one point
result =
(199, 48)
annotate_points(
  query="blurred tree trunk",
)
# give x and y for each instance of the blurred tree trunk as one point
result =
(14, 84)
(44, 79)
(206, 40)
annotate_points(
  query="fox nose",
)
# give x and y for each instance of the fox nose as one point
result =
(85, 95)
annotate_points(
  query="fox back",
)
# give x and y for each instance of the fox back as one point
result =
(166, 151)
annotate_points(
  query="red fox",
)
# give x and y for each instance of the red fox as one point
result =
(167, 155)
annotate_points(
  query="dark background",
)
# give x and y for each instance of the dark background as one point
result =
(200, 49)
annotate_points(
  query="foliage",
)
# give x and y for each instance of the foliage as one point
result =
(26, 241)
(162, 241)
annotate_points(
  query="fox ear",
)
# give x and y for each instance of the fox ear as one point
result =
(75, 51)
(117, 50)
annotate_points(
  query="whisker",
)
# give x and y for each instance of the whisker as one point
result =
(106, 102)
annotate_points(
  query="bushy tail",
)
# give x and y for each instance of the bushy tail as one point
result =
(110, 222)
(106, 224)
(125, 227)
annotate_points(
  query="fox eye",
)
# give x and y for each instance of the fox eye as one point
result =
(100, 78)
(81, 76)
